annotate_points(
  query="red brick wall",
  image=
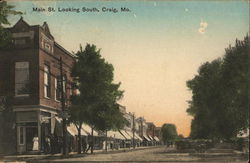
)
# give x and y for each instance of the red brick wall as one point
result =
(7, 73)
(36, 57)
(52, 59)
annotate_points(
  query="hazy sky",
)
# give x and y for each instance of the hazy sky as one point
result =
(155, 48)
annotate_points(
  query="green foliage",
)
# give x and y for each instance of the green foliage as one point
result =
(169, 132)
(220, 94)
(96, 104)
(5, 11)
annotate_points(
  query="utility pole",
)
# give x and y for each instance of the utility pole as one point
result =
(65, 143)
(133, 130)
(106, 140)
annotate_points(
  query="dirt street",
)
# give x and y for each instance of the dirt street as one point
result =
(149, 155)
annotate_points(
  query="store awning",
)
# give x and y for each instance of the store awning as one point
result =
(130, 134)
(85, 131)
(147, 138)
(151, 138)
(73, 130)
(88, 129)
(125, 135)
(156, 138)
(115, 135)
(138, 137)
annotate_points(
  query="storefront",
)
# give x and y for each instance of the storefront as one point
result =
(32, 128)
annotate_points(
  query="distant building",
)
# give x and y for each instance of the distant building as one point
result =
(143, 128)
(151, 129)
(30, 73)
(158, 132)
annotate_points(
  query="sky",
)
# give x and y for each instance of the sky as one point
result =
(155, 47)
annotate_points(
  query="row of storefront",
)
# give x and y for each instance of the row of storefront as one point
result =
(111, 139)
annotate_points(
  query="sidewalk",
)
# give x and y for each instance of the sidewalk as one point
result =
(71, 155)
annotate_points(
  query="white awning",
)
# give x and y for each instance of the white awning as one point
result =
(150, 137)
(156, 138)
(138, 137)
(73, 130)
(115, 135)
(125, 135)
(243, 134)
(85, 131)
(147, 138)
(88, 129)
(130, 134)
(135, 136)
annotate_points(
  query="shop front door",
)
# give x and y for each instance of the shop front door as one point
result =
(31, 138)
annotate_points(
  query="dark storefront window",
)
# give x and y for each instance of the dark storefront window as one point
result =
(22, 78)
(21, 138)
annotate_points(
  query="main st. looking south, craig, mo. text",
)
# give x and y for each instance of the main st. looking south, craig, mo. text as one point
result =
(82, 9)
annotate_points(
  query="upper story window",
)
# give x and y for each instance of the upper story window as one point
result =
(57, 89)
(47, 47)
(22, 78)
(47, 44)
(47, 85)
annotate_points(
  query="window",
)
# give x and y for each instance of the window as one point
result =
(47, 81)
(21, 135)
(47, 47)
(57, 89)
(47, 44)
(22, 78)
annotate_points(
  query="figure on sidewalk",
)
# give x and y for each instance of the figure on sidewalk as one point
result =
(90, 143)
(47, 145)
(35, 143)
(84, 145)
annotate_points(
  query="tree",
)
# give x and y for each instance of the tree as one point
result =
(236, 79)
(205, 100)
(5, 11)
(169, 133)
(220, 97)
(96, 104)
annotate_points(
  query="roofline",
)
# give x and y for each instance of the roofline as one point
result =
(40, 27)
(66, 51)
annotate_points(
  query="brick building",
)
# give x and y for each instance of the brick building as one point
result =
(30, 75)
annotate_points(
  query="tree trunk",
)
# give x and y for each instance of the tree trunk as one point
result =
(106, 140)
(92, 140)
(79, 144)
